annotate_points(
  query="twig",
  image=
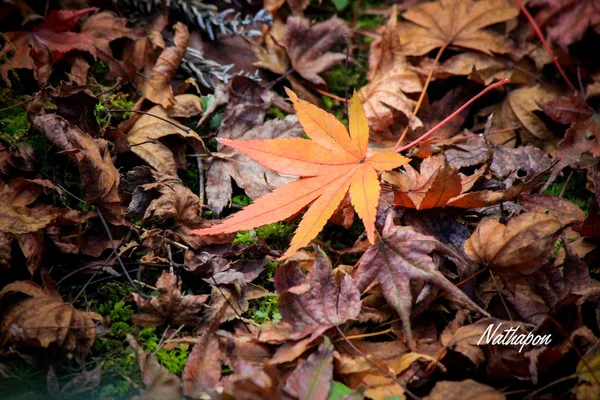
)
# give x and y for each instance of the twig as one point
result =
(116, 253)
(16, 105)
(562, 191)
(501, 297)
(501, 82)
(540, 36)
(228, 302)
(423, 92)
(200, 182)
(347, 114)
(186, 130)
(333, 96)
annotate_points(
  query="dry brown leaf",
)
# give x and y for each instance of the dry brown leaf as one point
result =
(389, 78)
(202, 371)
(312, 379)
(157, 86)
(523, 245)
(99, 176)
(307, 46)
(464, 390)
(146, 134)
(170, 306)
(522, 104)
(45, 320)
(456, 22)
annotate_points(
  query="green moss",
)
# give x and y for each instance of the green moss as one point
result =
(174, 360)
(241, 200)
(267, 309)
(575, 191)
(14, 125)
(275, 113)
(117, 101)
(245, 238)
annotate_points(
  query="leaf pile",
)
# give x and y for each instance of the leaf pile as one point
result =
(178, 199)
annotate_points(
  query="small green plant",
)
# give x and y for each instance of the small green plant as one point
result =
(174, 360)
(268, 310)
(241, 200)
(116, 101)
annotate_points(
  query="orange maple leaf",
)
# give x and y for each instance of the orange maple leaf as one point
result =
(330, 165)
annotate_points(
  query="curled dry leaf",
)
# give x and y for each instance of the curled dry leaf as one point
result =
(464, 390)
(104, 28)
(389, 78)
(520, 107)
(157, 85)
(523, 245)
(318, 304)
(170, 306)
(312, 379)
(99, 176)
(45, 320)
(307, 47)
(404, 257)
(439, 184)
(146, 134)
(333, 164)
(456, 22)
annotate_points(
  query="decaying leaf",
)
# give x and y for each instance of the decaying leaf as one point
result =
(464, 390)
(307, 46)
(45, 320)
(146, 134)
(312, 379)
(203, 369)
(157, 85)
(170, 306)
(333, 163)
(567, 21)
(456, 22)
(523, 245)
(53, 36)
(389, 78)
(401, 258)
(316, 305)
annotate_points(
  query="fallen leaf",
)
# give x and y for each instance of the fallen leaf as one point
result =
(333, 164)
(522, 104)
(312, 379)
(307, 47)
(464, 390)
(51, 36)
(389, 78)
(45, 320)
(523, 245)
(104, 28)
(160, 383)
(566, 21)
(456, 22)
(255, 179)
(582, 139)
(202, 371)
(146, 134)
(318, 304)
(404, 257)
(157, 85)
(170, 306)
(98, 174)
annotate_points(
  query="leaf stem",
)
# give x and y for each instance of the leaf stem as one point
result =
(540, 36)
(423, 92)
(186, 130)
(493, 86)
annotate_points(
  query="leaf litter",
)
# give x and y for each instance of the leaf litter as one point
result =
(177, 210)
